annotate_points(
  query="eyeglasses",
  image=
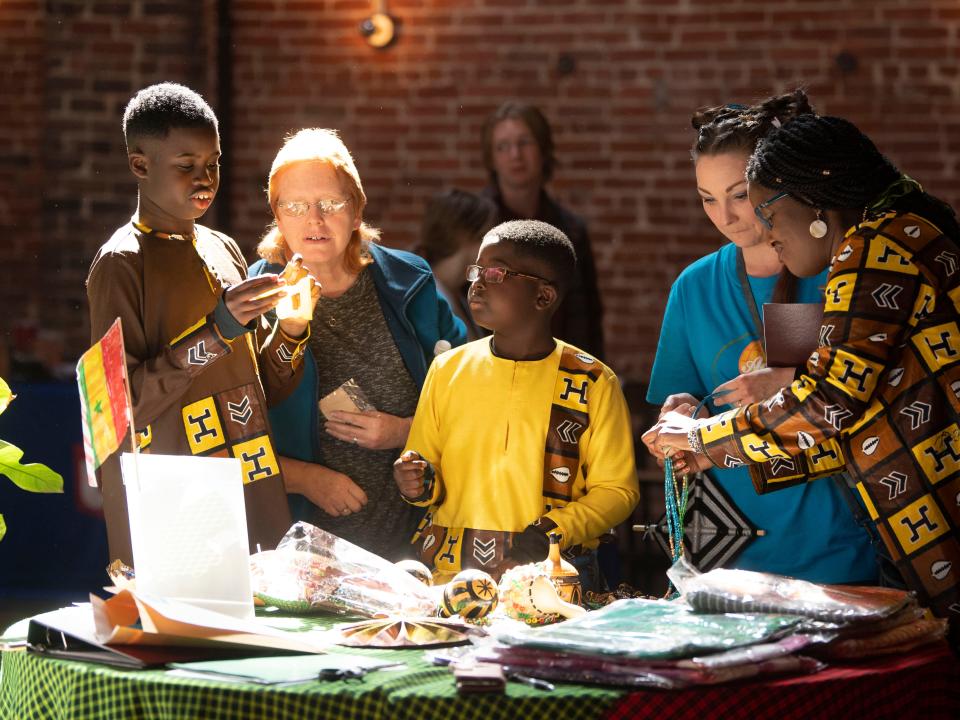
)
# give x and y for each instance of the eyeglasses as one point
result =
(299, 208)
(496, 275)
(764, 220)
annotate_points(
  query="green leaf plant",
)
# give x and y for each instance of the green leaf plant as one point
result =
(32, 477)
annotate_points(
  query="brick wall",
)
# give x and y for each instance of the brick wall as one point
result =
(21, 98)
(617, 78)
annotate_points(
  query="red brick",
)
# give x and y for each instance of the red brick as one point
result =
(412, 113)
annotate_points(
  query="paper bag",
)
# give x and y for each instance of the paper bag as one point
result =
(348, 398)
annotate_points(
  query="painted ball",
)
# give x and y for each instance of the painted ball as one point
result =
(416, 568)
(472, 594)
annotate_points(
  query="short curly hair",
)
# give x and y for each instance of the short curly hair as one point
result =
(543, 243)
(156, 110)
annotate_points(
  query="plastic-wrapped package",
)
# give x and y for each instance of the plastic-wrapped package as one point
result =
(312, 569)
(736, 591)
(651, 629)
(736, 664)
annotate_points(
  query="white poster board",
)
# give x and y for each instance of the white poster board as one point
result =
(188, 528)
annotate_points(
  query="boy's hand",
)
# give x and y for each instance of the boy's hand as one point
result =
(253, 297)
(532, 545)
(369, 429)
(295, 327)
(409, 471)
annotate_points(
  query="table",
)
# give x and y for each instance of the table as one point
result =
(926, 684)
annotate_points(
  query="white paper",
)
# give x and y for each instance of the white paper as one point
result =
(188, 528)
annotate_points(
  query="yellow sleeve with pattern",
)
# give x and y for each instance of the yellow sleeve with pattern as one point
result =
(609, 467)
(875, 294)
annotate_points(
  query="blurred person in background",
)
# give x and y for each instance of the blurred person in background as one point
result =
(518, 153)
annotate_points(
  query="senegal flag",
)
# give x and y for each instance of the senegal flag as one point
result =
(104, 403)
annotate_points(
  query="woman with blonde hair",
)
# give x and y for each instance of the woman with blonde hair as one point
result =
(378, 323)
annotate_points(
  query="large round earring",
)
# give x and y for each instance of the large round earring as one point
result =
(818, 228)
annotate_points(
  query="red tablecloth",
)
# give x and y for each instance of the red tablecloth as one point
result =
(922, 684)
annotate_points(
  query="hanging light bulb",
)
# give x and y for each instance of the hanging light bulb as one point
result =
(379, 29)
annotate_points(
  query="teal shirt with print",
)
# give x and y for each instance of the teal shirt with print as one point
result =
(709, 337)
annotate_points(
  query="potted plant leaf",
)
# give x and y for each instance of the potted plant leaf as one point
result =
(32, 477)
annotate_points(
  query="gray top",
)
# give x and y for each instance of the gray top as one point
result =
(349, 338)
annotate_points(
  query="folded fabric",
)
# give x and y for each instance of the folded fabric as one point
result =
(893, 641)
(737, 664)
(635, 628)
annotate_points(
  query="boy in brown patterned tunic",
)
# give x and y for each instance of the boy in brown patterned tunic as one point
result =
(191, 321)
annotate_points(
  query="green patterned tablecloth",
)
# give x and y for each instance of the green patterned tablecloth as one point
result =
(34, 687)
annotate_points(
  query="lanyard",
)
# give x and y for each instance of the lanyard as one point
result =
(749, 299)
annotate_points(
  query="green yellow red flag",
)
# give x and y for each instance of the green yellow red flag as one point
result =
(104, 401)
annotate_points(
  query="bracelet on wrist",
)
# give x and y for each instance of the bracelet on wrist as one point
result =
(693, 439)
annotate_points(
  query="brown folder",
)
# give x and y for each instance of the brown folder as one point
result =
(791, 332)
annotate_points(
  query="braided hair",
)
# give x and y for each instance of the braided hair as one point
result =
(825, 162)
(738, 128)
(828, 163)
(728, 128)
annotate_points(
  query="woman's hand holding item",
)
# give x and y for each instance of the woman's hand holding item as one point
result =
(332, 491)
(369, 429)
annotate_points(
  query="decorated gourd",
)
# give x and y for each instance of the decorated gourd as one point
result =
(416, 568)
(527, 594)
(563, 575)
(472, 594)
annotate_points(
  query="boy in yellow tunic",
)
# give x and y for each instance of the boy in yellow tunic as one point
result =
(518, 435)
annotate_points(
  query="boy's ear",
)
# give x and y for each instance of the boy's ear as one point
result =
(138, 164)
(547, 297)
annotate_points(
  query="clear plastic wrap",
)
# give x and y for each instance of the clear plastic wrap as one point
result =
(650, 629)
(313, 570)
(744, 591)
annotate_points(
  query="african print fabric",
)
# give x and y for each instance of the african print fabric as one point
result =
(881, 395)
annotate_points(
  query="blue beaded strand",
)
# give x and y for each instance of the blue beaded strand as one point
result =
(676, 505)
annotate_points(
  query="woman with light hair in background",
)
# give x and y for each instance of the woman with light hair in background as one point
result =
(379, 322)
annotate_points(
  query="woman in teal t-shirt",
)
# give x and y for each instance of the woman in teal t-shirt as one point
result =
(711, 340)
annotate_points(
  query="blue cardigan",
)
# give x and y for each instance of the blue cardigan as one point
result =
(417, 317)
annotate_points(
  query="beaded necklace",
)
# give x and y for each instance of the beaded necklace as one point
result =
(675, 500)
